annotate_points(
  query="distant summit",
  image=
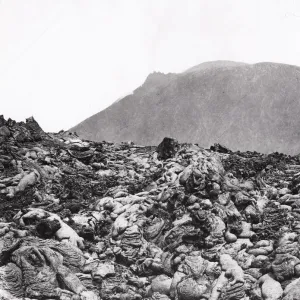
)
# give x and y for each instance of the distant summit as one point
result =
(242, 106)
(215, 64)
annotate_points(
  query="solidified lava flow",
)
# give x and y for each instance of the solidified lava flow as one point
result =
(98, 220)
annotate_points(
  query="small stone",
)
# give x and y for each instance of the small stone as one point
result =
(230, 237)
(103, 270)
(284, 191)
(206, 204)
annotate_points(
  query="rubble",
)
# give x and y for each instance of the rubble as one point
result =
(89, 220)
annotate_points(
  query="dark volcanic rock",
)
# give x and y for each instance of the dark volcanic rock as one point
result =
(2, 120)
(220, 148)
(80, 220)
(167, 148)
(47, 228)
(35, 129)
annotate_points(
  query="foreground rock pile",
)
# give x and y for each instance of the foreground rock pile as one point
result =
(87, 220)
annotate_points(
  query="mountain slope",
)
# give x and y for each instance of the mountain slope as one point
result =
(245, 107)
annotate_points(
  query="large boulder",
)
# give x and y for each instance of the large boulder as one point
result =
(167, 148)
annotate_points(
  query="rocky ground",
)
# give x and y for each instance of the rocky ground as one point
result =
(87, 220)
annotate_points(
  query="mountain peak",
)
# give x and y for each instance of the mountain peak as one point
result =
(214, 65)
(158, 78)
(242, 106)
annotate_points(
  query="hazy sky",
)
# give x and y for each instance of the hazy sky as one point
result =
(65, 60)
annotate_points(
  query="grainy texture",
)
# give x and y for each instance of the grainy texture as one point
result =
(83, 220)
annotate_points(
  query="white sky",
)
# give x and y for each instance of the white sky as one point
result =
(65, 60)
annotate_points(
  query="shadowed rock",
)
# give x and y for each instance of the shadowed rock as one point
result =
(167, 148)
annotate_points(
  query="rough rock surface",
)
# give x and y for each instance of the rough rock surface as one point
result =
(89, 220)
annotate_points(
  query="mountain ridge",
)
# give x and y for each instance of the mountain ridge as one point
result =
(244, 106)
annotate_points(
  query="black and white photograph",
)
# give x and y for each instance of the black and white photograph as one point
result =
(149, 150)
